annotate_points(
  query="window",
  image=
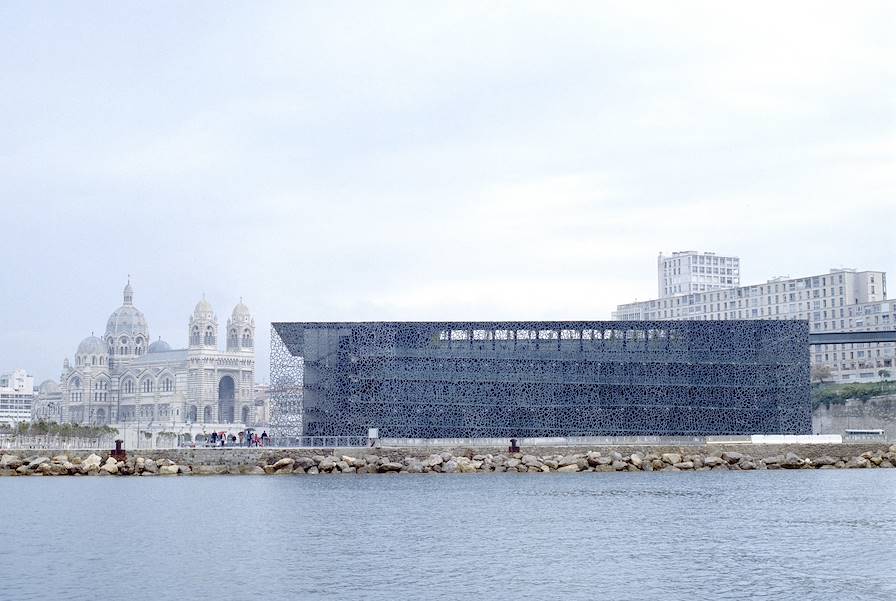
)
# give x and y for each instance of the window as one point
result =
(129, 387)
(209, 336)
(147, 385)
(247, 338)
(194, 336)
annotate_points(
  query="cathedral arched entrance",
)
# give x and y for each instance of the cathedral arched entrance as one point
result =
(101, 416)
(191, 413)
(226, 397)
(245, 415)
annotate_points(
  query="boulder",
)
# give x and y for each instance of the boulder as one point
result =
(636, 460)
(282, 463)
(60, 458)
(732, 456)
(254, 471)
(10, 462)
(823, 460)
(569, 460)
(303, 462)
(746, 464)
(531, 461)
(389, 466)
(671, 458)
(616, 456)
(35, 463)
(327, 464)
(712, 460)
(591, 456)
(168, 470)
(311, 470)
(23, 470)
(469, 468)
(886, 463)
(618, 465)
(450, 466)
(792, 461)
(569, 468)
(91, 461)
(857, 462)
(604, 461)
(510, 463)
(684, 465)
(150, 466)
(774, 460)
(551, 464)
(433, 460)
(415, 467)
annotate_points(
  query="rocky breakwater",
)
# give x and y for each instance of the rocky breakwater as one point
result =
(457, 461)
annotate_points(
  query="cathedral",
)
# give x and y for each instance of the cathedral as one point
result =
(126, 378)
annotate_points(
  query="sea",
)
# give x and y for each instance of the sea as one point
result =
(802, 535)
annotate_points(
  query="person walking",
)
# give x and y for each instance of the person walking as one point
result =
(264, 438)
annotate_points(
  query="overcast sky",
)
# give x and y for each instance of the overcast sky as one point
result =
(481, 160)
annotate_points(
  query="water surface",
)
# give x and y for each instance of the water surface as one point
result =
(680, 536)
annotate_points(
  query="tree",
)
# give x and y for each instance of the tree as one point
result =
(884, 374)
(820, 372)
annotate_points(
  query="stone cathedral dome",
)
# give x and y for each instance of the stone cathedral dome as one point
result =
(127, 319)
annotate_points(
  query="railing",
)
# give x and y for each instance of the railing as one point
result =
(18, 442)
(318, 442)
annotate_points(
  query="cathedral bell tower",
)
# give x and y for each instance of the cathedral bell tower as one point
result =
(203, 331)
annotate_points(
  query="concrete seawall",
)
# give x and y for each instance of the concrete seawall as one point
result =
(451, 460)
(878, 412)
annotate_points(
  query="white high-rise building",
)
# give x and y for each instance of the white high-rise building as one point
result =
(16, 397)
(841, 300)
(688, 271)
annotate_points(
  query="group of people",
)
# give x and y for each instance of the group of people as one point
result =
(246, 438)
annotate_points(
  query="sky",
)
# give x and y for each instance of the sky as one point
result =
(426, 161)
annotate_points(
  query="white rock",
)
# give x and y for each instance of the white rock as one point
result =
(91, 463)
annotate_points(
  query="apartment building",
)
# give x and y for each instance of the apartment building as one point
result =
(16, 397)
(841, 300)
(689, 271)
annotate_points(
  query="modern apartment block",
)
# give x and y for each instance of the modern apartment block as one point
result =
(16, 397)
(688, 271)
(841, 300)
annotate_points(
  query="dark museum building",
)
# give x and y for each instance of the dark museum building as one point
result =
(538, 379)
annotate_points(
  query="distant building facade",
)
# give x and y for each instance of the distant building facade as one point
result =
(537, 379)
(124, 378)
(16, 397)
(840, 300)
(47, 403)
(691, 271)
